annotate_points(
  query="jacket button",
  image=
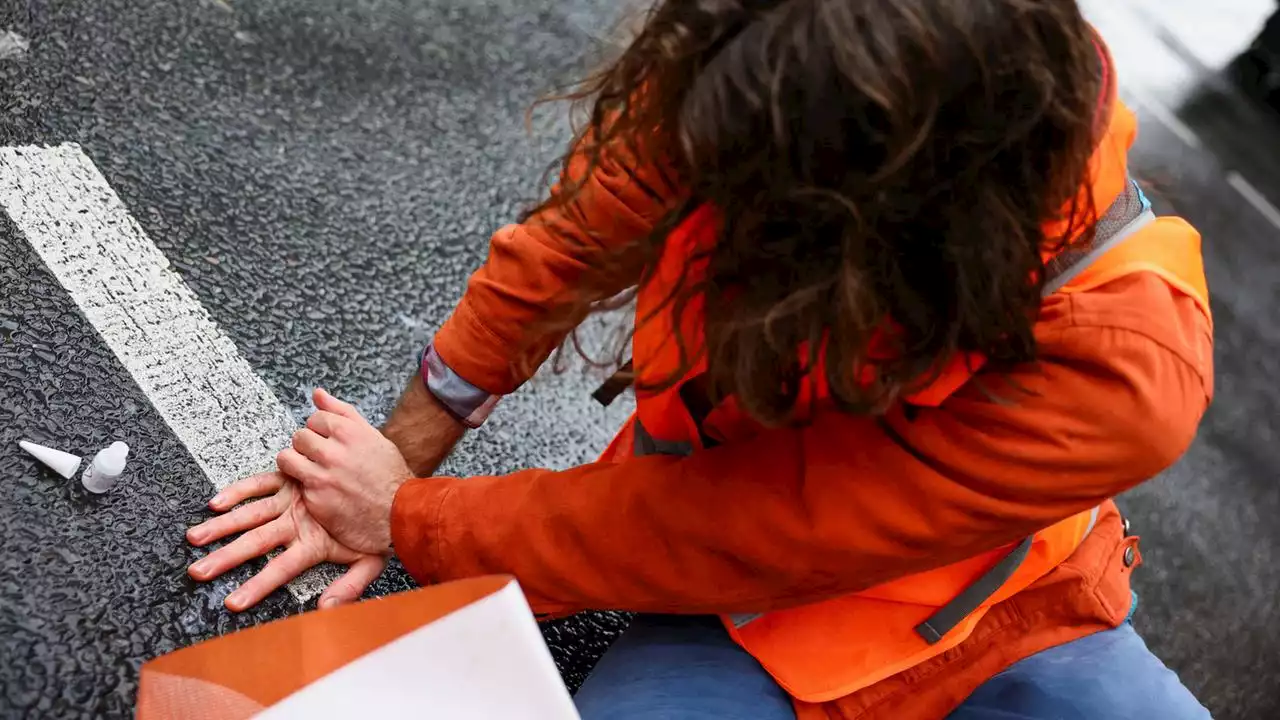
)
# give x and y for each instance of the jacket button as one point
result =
(1129, 556)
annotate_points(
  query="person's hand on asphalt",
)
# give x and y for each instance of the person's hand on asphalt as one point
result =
(281, 520)
(332, 502)
(349, 472)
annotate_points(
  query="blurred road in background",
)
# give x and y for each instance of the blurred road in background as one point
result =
(323, 174)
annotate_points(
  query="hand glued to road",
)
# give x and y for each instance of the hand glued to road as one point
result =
(329, 501)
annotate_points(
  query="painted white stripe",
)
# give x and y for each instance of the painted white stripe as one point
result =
(1255, 198)
(228, 419)
(1166, 117)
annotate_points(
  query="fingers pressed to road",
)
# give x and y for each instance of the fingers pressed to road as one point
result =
(250, 487)
(253, 515)
(255, 543)
(281, 569)
(353, 582)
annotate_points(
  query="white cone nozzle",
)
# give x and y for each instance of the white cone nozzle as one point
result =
(65, 464)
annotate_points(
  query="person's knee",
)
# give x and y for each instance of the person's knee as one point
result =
(1108, 676)
(689, 668)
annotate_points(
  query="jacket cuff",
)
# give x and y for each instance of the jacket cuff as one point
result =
(466, 402)
(416, 515)
(474, 352)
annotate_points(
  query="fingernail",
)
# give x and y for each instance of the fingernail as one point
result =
(199, 567)
(233, 600)
(329, 603)
(218, 499)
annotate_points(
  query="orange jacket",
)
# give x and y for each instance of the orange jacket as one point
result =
(828, 650)
(846, 503)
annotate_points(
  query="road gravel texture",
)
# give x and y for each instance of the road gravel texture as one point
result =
(324, 174)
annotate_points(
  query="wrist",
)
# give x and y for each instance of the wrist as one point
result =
(469, 404)
(422, 429)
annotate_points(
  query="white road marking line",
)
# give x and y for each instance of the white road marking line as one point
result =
(193, 374)
(1254, 198)
(1167, 118)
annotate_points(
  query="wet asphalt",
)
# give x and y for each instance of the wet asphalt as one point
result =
(325, 173)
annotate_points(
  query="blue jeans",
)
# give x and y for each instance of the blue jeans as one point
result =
(687, 668)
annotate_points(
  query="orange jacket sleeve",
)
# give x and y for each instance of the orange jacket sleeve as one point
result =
(531, 267)
(798, 515)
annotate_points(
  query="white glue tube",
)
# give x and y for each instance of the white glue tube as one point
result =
(106, 468)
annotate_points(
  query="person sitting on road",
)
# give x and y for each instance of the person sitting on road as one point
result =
(903, 328)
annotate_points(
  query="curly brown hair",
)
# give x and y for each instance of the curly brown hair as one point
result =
(880, 169)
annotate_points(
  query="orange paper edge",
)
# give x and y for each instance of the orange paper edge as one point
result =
(265, 664)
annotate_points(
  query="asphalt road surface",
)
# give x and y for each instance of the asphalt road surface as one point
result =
(323, 174)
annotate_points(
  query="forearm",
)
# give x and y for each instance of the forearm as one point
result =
(423, 430)
(784, 520)
(737, 529)
(791, 516)
(519, 305)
